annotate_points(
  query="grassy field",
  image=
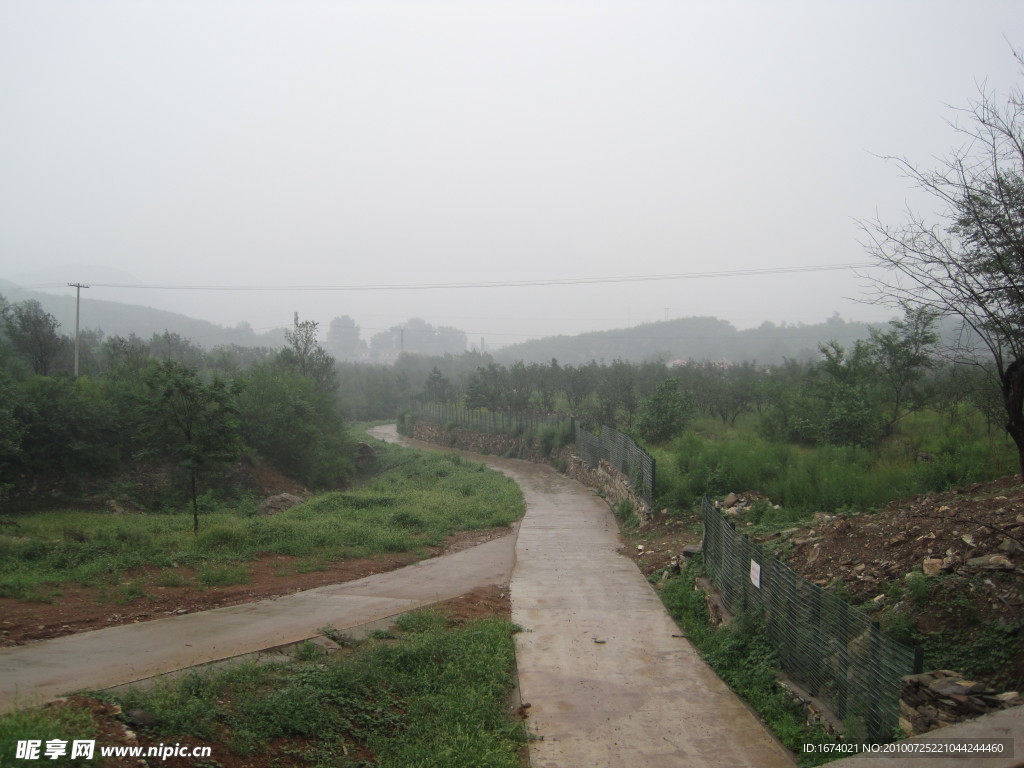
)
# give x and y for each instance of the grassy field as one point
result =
(926, 453)
(415, 500)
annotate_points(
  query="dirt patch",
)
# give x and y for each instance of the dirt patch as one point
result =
(654, 546)
(971, 532)
(144, 596)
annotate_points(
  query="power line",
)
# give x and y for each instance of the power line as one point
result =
(498, 284)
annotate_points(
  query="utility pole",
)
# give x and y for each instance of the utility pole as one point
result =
(78, 304)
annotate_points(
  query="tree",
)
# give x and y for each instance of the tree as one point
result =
(903, 354)
(438, 388)
(971, 263)
(305, 355)
(665, 414)
(195, 422)
(33, 333)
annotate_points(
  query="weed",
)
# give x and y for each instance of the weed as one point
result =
(170, 577)
(918, 588)
(43, 724)
(434, 697)
(223, 575)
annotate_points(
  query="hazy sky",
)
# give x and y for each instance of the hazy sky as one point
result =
(289, 143)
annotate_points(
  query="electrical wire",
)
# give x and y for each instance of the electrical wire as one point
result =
(497, 283)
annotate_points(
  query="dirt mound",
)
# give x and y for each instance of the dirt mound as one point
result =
(974, 531)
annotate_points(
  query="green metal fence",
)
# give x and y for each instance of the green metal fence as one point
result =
(491, 422)
(823, 643)
(623, 453)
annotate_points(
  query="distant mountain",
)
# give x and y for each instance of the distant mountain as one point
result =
(117, 319)
(691, 338)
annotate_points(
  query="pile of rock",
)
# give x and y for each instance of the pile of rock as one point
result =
(937, 699)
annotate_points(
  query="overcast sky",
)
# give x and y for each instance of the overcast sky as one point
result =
(241, 144)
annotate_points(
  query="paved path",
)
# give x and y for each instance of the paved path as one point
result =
(38, 672)
(608, 680)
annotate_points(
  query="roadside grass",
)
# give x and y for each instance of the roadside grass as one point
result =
(424, 693)
(43, 724)
(741, 654)
(416, 500)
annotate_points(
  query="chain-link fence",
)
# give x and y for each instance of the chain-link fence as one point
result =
(491, 422)
(622, 452)
(823, 643)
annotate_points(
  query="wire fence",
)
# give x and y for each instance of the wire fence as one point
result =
(822, 642)
(617, 448)
(491, 422)
(623, 453)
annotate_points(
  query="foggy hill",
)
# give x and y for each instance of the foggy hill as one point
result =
(691, 338)
(117, 319)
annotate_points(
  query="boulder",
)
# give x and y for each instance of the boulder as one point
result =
(278, 503)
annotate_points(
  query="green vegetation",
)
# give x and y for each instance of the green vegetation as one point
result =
(416, 500)
(923, 454)
(425, 693)
(741, 654)
(43, 724)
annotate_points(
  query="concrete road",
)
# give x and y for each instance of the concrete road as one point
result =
(32, 674)
(608, 680)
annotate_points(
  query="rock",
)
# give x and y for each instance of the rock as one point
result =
(931, 566)
(279, 503)
(140, 718)
(365, 455)
(730, 500)
(1010, 546)
(991, 563)
(691, 550)
(815, 552)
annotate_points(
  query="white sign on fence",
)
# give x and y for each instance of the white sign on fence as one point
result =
(755, 573)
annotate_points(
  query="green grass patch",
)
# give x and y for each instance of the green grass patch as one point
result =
(417, 499)
(223, 575)
(925, 454)
(67, 723)
(423, 694)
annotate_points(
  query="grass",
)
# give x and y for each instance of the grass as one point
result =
(424, 693)
(44, 724)
(417, 500)
(927, 453)
(741, 654)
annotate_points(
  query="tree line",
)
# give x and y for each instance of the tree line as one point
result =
(162, 401)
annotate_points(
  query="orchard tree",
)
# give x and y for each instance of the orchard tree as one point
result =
(903, 354)
(970, 263)
(665, 414)
(194, 421)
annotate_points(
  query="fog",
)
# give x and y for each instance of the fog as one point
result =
(370, 152)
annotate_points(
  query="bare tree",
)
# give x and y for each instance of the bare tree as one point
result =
(970, 263)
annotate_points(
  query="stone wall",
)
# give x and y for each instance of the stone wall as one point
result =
(613, 486)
